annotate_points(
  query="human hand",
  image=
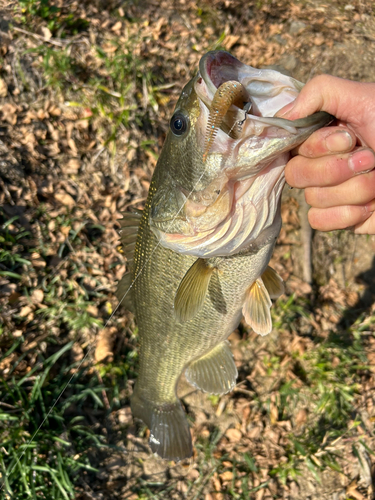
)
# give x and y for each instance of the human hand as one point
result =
(335, 165)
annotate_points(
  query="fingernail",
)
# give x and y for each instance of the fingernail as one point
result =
(339, 141)
(362, 161)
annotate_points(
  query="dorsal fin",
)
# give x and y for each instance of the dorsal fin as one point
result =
(256, 309)
(129, 231)
(125, 292)
(192, 290)
(273, 282)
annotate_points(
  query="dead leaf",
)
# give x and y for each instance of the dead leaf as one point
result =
(274, 413)
(117, 26)
(234, 435)
(46, 33)
(9, 113)
(230, 40)
(53, 110)
(65, 199)
(76, 353)
(37, 296)
(301, 417)
(319, 40)
(3, 88)
(37, 260)
(41, 114)
(226, 476)
(25, 311)
(104, 346)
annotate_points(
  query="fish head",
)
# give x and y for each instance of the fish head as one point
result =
(219, 178)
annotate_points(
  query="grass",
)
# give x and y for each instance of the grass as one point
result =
(51, 441)
(44, 463)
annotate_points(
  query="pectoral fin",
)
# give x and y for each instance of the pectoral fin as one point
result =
(215, 372)
(273, 282)
(192, 290)
(256, 309)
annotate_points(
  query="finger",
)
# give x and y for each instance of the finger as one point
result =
(366, 227)
(327, 140)
(329, 219)
(331, 94)
(302, 172)
(356, 191)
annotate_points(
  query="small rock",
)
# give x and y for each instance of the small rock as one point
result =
(296, 27)
(155, 468)
(289, 62)
(279, 39)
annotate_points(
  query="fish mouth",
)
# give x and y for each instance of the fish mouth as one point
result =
(238, 205)
(267, 91)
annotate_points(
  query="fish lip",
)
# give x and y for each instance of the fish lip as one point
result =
(216, 60)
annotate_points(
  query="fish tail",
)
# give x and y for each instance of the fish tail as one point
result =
(170, 436)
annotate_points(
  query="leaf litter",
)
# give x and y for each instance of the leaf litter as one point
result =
(84, 104)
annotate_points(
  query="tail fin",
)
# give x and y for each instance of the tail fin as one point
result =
(169, 431)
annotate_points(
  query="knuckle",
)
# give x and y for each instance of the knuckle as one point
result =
(331, 171)
(365, 184)
(312, 195)
(349, 215)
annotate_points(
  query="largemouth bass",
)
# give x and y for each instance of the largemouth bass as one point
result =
(199, 251)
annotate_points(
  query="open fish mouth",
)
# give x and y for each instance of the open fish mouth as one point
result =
(239, 162)
(247, 100)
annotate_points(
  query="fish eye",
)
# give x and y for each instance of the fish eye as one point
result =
(179, 124)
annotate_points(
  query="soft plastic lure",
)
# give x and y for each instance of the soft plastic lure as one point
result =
(228, 93)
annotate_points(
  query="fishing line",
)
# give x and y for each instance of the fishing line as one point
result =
(108, 320)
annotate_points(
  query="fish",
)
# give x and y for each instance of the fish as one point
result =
(198, 252)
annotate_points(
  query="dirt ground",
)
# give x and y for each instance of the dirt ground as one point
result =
(71, 162)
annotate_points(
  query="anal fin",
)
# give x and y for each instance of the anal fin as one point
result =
(273, 282)
(257, 308)
(192, 291)
(215, 372)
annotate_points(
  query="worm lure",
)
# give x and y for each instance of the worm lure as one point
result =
(228, 93)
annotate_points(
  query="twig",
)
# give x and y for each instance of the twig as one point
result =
(104, 394)
(58, 43)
